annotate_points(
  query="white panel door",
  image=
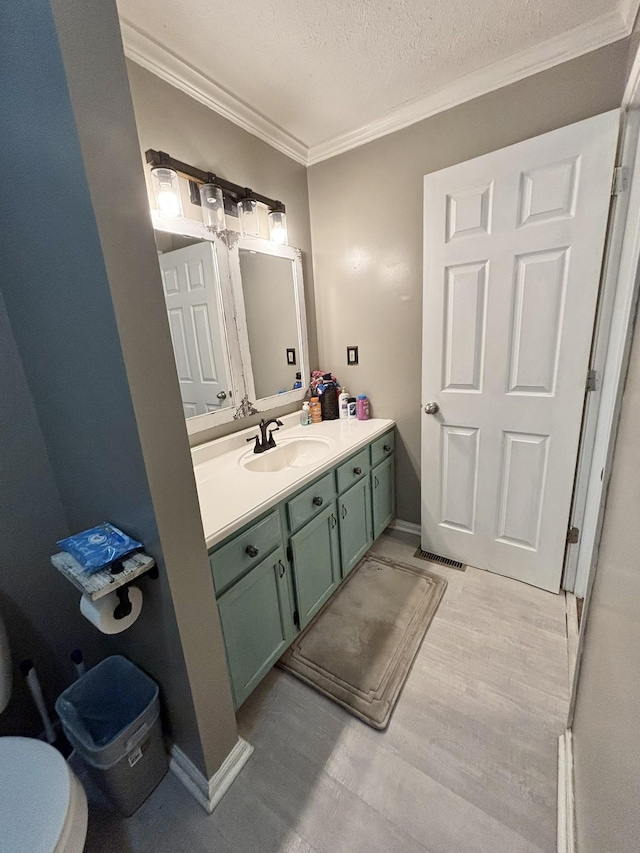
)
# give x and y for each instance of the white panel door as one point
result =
(194, 306)
(513, 245)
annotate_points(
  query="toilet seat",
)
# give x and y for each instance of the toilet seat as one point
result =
(43, 807)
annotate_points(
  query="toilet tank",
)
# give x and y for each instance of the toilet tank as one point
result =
(5, 667)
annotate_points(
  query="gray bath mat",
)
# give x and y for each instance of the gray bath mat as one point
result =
(359, 649)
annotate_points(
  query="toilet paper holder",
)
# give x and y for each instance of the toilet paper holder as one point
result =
(124, 605)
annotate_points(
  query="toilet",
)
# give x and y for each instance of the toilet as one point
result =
(43, 806)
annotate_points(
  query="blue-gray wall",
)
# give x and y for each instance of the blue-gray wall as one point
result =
(79, 276)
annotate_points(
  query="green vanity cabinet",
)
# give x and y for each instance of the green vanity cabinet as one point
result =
(315, 552)
(382, 495)
(257, 623)
(354, 513)
(273, 576)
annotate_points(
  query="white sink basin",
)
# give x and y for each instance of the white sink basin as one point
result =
(290, 453)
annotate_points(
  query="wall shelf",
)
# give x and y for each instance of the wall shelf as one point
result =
(102, 582)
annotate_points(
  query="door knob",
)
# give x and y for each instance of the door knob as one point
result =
(431, 409)
(221, 395)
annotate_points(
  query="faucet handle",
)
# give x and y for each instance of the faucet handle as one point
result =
(257, 444)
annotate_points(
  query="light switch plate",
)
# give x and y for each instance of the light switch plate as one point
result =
(352, 355)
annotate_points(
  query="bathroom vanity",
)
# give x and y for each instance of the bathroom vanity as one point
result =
(283, 529)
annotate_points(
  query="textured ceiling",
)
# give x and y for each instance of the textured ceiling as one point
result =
(321, 68)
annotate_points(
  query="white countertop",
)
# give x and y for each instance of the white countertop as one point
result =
(231, 496)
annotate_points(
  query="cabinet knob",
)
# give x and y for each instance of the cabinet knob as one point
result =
(252, 551)
(387, 448)
(357, 471)
(318, 501)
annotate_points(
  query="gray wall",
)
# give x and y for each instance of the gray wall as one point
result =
(169, 120)
(606, 725)
(81, 285)
(366, 219)
(39, 608)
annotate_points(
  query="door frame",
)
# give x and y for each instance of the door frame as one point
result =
(625, 278)
(610, 354)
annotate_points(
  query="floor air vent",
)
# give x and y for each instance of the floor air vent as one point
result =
(436, 558)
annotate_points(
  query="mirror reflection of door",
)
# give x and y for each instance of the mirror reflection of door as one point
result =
(268, 287)
(196, 322)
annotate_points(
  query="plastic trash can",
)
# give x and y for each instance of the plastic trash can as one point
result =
(111, 716)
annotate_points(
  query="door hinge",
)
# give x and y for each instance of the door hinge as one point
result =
(619, 182)
(573, 534)
(289, 553)
(592, 381)
(296, 618)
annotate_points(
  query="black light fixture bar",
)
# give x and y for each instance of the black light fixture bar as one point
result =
(160, 158)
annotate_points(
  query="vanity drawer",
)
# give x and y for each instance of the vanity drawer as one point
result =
(245, 550)
(353, 470)
(309, 503)
(382, 447)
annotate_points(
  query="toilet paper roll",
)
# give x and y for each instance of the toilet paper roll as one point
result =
(100, 612)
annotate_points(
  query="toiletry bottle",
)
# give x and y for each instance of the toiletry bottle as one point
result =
(352, 409)
(362, 407)
(315, 410)
(305, 415)
(343, 409)
(329, 399)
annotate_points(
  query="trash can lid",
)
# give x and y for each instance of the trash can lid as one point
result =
(35, 792)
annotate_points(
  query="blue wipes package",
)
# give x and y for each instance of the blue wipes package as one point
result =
(98, 547)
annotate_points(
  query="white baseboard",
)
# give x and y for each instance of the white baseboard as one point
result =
(573, 634)
(405, 526)
(209, 792)
(566, 810)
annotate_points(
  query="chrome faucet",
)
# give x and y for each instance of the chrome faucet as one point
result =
(264, 442)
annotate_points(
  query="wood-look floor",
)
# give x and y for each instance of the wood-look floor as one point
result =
(467, 765)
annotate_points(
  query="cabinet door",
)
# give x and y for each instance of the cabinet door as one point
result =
(256, 623)
(316, 562)
(383, 489)
(354, 510)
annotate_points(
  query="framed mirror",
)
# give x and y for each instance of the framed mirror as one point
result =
(272, 327)
(237, 319)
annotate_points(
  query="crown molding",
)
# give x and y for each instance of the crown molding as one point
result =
(562, 48)
(153, 56)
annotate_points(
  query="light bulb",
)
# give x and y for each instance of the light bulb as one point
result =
(167, 193)
(278, 228)
(212, 201)
(248, 213)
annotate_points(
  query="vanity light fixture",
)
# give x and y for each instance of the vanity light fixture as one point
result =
(167, 192)
(215, 195)
(278, 225)
(212, 201)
